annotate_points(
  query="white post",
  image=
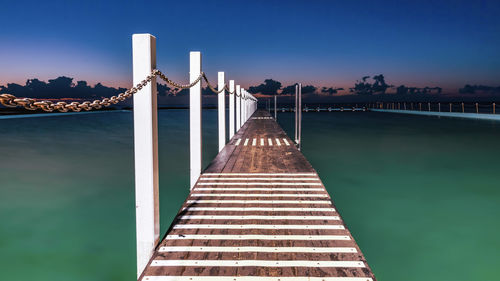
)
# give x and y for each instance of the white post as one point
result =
(238, 107)
(194, 117)
(247, 95)
(300, 116)
(232, 117)
(246, 106)
(222, 111)
(243, 106)
(275, 107)
(296, 112)
(247, 110)
(249, 102)
(147, 215)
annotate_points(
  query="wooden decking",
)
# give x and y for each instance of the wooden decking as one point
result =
(258, 212)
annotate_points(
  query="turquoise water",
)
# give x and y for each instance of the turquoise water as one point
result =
(420, 194)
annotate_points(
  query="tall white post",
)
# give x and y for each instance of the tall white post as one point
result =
(147, 207)
(194, 118)
(245, 117)
(296, 112)
(246, 106)
(300, 116)
(232, 116)
(238, 107)
(221, 108)
(243, 103)
(275, 108)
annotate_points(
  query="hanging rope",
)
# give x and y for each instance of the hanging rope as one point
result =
(9, 100)
(32, 104)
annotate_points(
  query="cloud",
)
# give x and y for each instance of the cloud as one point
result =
(364, 87)
(290, 90)
(479, 89)
(309, 89)
(60, 87)
(269, 87)
(331, 90)
(164, 90)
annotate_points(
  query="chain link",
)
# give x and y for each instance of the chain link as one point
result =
(32, 104)
(9, 100)
(211, 87)
(177, 85)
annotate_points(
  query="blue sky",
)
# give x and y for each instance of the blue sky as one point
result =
(325, 43)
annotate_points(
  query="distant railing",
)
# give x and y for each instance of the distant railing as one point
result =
(457, 107)
(331, 108)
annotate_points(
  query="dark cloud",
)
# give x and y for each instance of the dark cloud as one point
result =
(269, 87)
(364, 87)
(479, 89)
(288, 90)
(309, 89)
(61, 87)
(330, 90)
(164, 90)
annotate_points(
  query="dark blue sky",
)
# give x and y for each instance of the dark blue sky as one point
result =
(326, 43)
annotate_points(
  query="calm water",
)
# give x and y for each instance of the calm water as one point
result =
(421, 195)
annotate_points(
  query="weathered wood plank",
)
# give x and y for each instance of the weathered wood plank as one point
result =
(283, 182)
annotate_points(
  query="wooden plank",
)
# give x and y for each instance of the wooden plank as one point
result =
(253, 206)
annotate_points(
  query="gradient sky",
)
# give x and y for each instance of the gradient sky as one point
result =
(325, 43)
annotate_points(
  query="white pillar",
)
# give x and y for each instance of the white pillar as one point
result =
(221, 108)
(194, 118)
(232, 117)
(248, 106)
(244, 108)
(299, 99)
(243, 104)
(296, 113)
(275, 108)
(147, 215)
(238, 107)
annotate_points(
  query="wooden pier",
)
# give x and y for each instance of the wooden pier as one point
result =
(258, 212)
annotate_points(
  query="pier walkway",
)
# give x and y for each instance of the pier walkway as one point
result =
(258, 212)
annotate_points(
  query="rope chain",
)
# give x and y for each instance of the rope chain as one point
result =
(32, 104)
(177, 85)
(9, 100)
(211, 87)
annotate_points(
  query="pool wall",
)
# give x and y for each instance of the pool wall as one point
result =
(483, 116)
